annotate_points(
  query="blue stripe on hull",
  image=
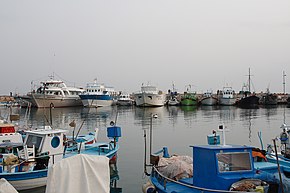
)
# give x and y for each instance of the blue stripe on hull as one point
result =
(96, 97)
(24, 175)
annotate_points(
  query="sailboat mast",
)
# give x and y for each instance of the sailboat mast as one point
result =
(284, 83)
(249, 80)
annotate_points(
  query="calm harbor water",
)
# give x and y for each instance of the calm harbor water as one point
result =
(176, 127)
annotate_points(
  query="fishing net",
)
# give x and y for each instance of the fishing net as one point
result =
(176, 167)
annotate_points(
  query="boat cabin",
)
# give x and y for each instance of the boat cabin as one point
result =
(228, 92)
(46, 141)
(219, 166)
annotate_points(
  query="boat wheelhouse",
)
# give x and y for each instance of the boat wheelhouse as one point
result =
(227, 96)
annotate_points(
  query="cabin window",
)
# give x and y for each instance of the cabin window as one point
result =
(55, 141)
(228, 162)
(33, 140)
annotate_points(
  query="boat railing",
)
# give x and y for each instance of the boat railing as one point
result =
(163, 181)
(101, 148)
(22, 161)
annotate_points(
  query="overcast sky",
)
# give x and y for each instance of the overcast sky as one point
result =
(124, 43)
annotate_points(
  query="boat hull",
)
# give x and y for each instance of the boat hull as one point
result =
(41, 101)
(188, 102)
(249, 102)
(26, 180)
(149, 100)
(209, 101)
(227, 101)
(125, 102)
(173, 103)
(269, 100)
(90, 100)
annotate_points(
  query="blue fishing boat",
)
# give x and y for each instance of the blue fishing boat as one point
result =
(27, 168)
(212, 168)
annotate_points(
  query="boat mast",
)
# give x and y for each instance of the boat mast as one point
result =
(249, 80)
(284, 84)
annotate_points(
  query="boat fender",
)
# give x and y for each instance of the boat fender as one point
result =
(148, 188)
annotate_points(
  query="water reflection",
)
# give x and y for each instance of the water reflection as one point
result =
(209, 108)
(227, 113)
(173, 114)
(247, 115)
(189, 113)
(114, 175)
(61, 117)
(270, 110)
(35, 190)
(142, 115)
(209, 112)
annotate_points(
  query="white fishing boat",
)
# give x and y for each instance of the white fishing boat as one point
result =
(25, 166)
(208, 99)
(97, 95)
(149, 96)
(55, 93)
(124, 99)
(227, 96)
(173, 97)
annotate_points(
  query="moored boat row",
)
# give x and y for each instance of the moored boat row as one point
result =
(55, 93)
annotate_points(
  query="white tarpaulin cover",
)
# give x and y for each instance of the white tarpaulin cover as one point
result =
(6, 187)
(80, 173)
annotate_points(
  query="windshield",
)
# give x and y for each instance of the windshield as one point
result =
(234, 162)
(33, 140)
